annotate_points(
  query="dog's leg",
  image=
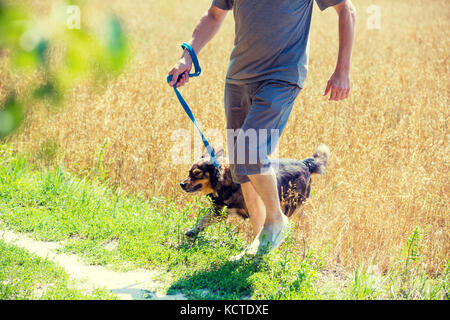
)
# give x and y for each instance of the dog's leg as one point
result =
(206, 221)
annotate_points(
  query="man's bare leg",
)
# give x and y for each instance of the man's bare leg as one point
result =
(255, 207)
(275, 224)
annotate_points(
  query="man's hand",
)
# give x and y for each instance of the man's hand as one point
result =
(206, 29)
(339, 83)
(181, 69)
(339, 86)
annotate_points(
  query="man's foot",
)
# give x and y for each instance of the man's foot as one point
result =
(268, 239)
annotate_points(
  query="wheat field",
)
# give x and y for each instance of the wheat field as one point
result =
(388, 172)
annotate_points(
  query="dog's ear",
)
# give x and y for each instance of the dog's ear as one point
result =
(214, 177)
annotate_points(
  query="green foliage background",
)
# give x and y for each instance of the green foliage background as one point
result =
(55, 55)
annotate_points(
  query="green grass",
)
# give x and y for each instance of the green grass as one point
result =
(25, 276)
(53, 205)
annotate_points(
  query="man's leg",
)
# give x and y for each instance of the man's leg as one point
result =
(266, 187)
(237, 106)
(276, 223)
(269, 112)
(255, 206)
(272, 223)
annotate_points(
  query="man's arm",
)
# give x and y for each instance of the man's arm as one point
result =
(339, 83)
(206, 29)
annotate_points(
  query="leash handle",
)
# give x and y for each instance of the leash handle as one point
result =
(197, 69)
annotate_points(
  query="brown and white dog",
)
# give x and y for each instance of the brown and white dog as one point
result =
(293, 177)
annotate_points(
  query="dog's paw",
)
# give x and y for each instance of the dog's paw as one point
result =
(190, 233)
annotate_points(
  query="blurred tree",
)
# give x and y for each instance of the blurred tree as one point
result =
(61, 55)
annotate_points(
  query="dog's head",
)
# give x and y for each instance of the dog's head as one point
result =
(203, 175)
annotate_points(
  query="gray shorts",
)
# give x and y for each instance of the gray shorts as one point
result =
(256, 115)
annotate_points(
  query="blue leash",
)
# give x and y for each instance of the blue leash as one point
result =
(185, 106)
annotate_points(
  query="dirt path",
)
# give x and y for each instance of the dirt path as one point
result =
(132, 285)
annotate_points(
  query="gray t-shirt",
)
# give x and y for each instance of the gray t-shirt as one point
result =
(271, 39)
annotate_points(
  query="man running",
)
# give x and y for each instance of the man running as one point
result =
(268, 67)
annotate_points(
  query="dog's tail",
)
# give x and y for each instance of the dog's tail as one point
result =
(319, 161)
